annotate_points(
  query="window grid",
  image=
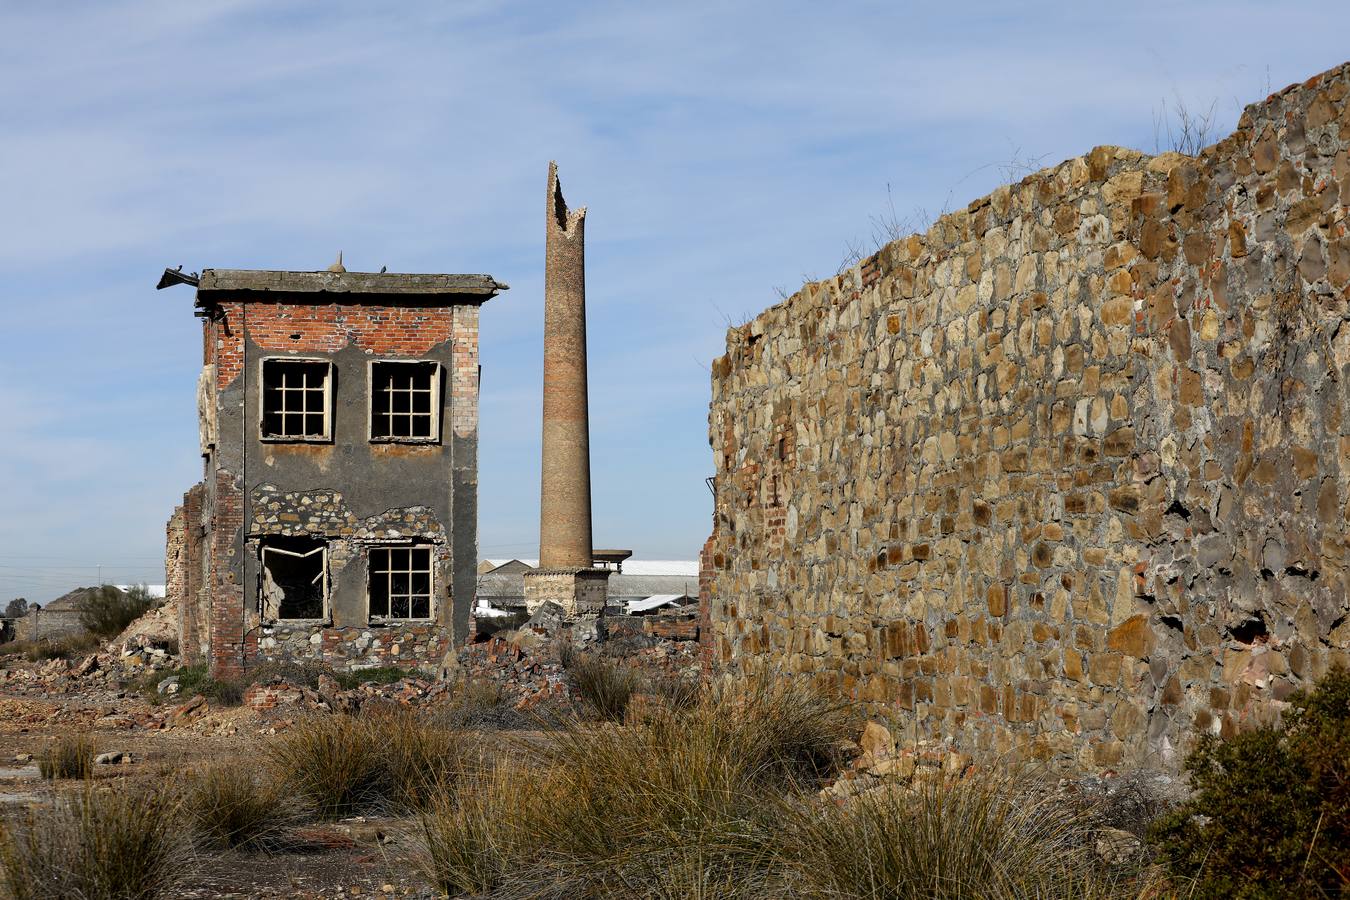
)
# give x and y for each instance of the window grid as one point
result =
(400, 583)
(295, 399)
(405, 402)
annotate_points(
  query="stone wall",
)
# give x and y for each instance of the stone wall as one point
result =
(1067, 476)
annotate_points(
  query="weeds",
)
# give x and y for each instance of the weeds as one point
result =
(471, 839)
(230, 807)
(1182, 130)
(419, 758)
(96, 845)
(69, 756)
(481, 704)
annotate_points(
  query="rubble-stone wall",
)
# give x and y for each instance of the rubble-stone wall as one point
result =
(1069, 474)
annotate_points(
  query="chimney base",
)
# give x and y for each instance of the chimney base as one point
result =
(580, 592)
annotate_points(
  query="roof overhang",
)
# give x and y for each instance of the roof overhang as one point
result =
(394, 288)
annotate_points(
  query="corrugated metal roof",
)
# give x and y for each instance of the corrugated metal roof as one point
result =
(654, 602)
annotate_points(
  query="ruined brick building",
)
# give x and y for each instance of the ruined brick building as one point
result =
(1068, 476)
(337, 516)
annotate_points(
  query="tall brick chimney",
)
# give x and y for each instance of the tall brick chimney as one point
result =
(565, 501)
(565, 574)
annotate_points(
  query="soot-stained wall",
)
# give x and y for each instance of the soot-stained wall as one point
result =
(1069, 474)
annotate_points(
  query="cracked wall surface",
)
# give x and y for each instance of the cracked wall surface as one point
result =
(1069, 474)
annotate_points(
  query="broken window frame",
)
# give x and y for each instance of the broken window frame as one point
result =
(263, 549)
(326, 412)
(388, 572)
(376, 390)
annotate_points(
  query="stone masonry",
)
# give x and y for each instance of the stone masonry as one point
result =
(1068, 476)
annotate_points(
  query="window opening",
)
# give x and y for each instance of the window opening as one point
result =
(404, 400)
(295, 399)
(294, 578)
(400, 583)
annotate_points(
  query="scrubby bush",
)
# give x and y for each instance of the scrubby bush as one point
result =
(69, 756)
(97, 845)
(331, 761)
(232, 807)
(1270, 810)
(106, 611)
(419, 758)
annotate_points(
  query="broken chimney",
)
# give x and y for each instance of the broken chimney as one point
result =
(565, 575)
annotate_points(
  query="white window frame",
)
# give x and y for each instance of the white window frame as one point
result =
(262, 578)
(436, 401)
(373, 619)
(327, 435)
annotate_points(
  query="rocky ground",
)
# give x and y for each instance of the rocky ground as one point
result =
(149, 735)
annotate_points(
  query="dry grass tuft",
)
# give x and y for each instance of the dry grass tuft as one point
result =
(97, 845)
(678, 806)
(605, 686)
(987, 836)
(386, 759)
(69, 756)
(232, 808)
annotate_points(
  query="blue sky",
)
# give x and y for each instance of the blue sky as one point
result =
(725, 150)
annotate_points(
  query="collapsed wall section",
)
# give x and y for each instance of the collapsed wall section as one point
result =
(1068, 475)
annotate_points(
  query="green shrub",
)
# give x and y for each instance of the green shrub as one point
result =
(605, 686)
(97, 845)
(1270, 810)
(69, 756)
(106, 611)
(231, 807)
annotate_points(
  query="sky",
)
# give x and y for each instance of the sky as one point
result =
(726, 152)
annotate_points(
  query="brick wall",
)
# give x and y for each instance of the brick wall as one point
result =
(235, 635)
(191, 622)
(1069, 474)
(327, 328)
(226, 628)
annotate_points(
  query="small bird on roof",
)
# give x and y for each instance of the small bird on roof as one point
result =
(338, 266)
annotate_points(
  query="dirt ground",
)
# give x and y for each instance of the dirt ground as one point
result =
(365, 857)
